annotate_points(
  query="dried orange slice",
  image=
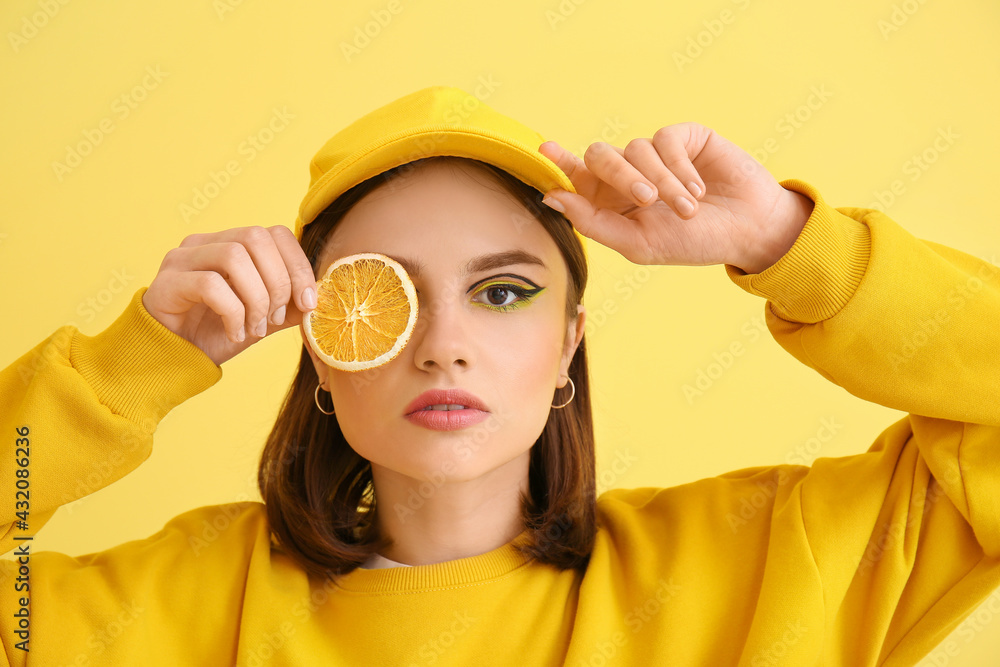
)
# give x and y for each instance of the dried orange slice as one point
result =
(366, 308)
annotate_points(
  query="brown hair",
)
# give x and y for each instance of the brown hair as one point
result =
(318, 491)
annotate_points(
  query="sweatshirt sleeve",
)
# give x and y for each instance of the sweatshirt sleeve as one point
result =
(905, 538)
(80, 411)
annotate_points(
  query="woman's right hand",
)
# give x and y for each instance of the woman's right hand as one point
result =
(217, 288)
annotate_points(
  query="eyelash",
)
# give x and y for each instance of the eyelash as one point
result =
(524, 295)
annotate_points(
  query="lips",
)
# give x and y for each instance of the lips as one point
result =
(445, 397)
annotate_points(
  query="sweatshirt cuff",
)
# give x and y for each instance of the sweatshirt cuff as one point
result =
(140, 369)
(820, 272)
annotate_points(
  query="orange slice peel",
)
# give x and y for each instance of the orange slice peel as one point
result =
(366, 308)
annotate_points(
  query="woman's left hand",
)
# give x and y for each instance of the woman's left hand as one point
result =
(710, 201)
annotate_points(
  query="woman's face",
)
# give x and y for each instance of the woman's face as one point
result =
(442, 219)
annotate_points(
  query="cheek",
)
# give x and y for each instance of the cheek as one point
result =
(359, 399)
(527, 399)
(527, 371)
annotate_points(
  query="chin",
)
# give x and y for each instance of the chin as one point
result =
(449, 464)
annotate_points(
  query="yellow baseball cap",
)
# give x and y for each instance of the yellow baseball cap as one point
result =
(439, 120)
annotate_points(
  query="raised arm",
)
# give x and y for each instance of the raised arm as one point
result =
(86, 408)
(913, 544)
(79, 412)
(893, 547)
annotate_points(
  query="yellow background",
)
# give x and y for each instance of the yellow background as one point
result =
(892, 74)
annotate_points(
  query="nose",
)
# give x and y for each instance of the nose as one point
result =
(441, 336)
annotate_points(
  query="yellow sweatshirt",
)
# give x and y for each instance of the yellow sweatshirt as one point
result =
(869, 559)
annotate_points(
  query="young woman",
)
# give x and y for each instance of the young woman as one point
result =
(383, 540)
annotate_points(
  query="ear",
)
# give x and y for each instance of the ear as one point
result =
(574, 334)
(322, 370)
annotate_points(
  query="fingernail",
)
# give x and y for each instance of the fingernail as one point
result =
(241, 334)
(642, 192)
(279, 316)
(683, 206)
(695, 190)
(261, 329)
(554, 203)
(309, 297)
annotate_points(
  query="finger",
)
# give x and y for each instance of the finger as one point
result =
(609, 163)
(191, 288)
(232, 261)
(583, 181)
(300, 271)
(678, 145)
(268, 262)
(641, 154)
(602, 225)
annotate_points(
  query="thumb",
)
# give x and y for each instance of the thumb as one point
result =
(293, 318)
(602, 225)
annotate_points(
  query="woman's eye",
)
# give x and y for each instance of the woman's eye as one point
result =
(498, 296)
(504, 297)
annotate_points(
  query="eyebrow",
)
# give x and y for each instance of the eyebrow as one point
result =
(479, 263)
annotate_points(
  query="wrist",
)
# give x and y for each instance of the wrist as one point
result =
(790, 218)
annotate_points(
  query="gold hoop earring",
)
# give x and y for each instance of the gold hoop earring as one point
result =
(573, 387)
(316, 395)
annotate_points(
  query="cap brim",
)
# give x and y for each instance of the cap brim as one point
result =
(524, 162)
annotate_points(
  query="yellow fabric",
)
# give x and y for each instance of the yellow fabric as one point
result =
(437, 120)
(859, 560)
